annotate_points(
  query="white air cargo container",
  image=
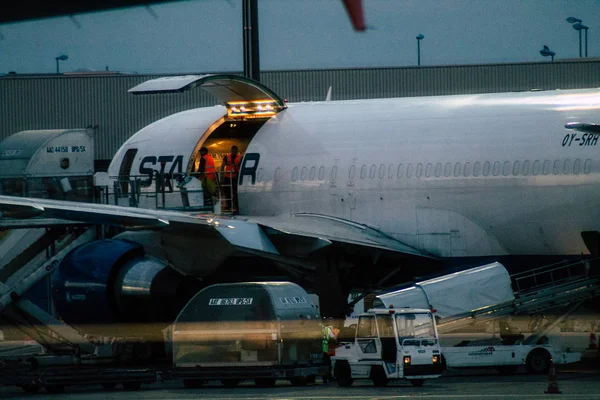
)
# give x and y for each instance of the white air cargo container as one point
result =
(254, 330)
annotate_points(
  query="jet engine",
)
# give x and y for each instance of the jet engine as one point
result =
(112, 288)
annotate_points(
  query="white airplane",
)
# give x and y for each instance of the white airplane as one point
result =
(341, 194)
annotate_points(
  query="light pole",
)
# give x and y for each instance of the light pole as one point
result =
(547, 52)
(419, 38)
(578, 26)
(62, 57)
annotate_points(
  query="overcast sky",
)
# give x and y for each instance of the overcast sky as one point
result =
(206, 35)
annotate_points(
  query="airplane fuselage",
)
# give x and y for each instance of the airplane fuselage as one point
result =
(453, 176)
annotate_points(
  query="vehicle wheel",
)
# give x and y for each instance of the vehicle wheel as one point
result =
(343, 373)
(299, 381)
(417, 382)
(508, 369)
(132, 386)
(538, 362)
(55, 389)
(378, 376)
(264, 382)
(31, 388)
(109, 385)
(230, 383)
(311, 379)
(193, 383)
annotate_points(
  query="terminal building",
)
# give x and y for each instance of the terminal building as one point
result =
(100, 100)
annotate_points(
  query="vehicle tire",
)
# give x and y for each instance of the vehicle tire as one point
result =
(264, 382)
(230, 383)
(507, 369)
(193, 383)
(55, 389)
(132, 386)
(343, 373)
(417, 382)
(538, 361)
(311, 379)
(109, 385)
(31, 388)
(299, 381)
(378, 376)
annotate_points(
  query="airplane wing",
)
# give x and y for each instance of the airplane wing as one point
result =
(292, 235)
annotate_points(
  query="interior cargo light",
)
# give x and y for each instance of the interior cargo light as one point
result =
(406, 360)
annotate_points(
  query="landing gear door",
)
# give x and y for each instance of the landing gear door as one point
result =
(242, 96)
(367, 338)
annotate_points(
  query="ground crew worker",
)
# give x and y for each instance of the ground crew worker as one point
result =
(231, 166)
(208, 177)
(328, 335)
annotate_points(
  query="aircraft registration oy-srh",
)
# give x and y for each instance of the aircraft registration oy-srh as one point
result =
(336, 195)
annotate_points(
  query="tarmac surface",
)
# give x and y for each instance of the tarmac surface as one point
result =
(574, 382)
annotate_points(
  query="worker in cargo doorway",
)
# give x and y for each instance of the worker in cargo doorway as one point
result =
(231, 166)
(208, 177)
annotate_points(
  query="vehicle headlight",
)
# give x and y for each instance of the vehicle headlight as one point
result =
(435, 359)
(406, 360)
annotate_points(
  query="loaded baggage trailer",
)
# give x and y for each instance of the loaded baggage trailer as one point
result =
(390, 344)
(260, 331)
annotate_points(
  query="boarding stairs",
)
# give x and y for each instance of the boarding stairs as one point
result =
(27, 256)
(562, 285)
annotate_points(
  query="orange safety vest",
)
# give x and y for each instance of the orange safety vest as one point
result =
(209, 166)
(232, 168)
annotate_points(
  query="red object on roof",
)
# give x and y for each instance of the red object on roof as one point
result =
(355, 11)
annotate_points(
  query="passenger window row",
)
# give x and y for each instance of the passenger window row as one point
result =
(439, 170)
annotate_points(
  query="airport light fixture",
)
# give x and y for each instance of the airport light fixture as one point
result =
(578, 26)
(419, 38)
(62, 57)
(546, 52)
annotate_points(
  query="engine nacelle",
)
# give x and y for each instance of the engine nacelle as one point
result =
(110, 287)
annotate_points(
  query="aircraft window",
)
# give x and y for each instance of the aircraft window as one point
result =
(567, 166)
(516, 168)
(506, 168)
(409, 171)
(333, 173)
(496, 168)
(260, 175)
(303, 173)
(587, 166)
(448, 170)
(556, 167)
(321, 173)
(457, 169)
(467, 169)
(381, 171)
(486, 168)
(546, 168)
(277, 174)
(295, 174)
(400, 170)
(391, 171)
(352, 172)
(526, 167)
(419, 170)
(536, 167)
(428, 169)
(576, 166)
(372, 171)
(363, 172)
(313, 173)
(476, 168)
